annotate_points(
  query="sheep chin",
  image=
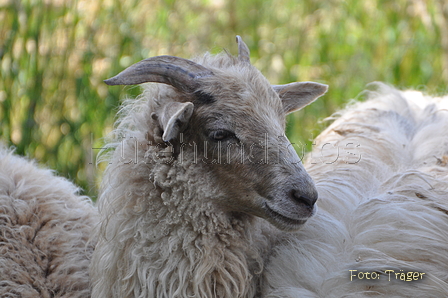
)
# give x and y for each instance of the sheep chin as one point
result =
(282, 222)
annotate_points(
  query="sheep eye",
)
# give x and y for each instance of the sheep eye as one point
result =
(221, 135)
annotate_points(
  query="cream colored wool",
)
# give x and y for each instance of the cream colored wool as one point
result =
(44, 231)
(382, 176)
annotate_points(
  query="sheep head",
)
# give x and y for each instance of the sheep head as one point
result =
(233, 121)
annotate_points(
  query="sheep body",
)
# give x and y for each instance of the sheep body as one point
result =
(44, 231)
(382, 178)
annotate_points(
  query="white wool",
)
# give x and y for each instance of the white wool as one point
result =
(389, 211)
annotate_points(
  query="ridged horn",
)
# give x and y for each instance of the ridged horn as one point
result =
(243, 50)
(180, 73)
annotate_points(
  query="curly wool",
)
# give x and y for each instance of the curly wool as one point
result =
(196, 250)
(382, 178)
(44, 232)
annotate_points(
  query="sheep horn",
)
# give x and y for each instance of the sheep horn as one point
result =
(243, 50)
(180, 73)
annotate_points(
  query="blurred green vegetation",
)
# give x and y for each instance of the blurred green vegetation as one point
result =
(54, 55)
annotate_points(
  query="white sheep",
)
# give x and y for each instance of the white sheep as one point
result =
(190, 218)
(382, 177)
(44, 231)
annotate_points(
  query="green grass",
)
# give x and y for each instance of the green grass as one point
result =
(54, 55)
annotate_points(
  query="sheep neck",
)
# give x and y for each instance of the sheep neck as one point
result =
(166, 238)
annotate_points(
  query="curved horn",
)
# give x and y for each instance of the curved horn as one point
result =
(243, 50)
(177, 72)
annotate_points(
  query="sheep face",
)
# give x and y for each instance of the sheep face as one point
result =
(225, 117)
(241, 142)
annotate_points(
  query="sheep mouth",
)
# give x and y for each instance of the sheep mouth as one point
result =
(286, 223)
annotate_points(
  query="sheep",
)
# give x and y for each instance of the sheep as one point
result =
(201, 181)
(45, 228)
(382, 227)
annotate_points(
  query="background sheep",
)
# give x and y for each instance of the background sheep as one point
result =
(382, 177)
(184, 220)
(44, 232)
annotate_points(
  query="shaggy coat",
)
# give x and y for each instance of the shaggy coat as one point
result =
(44, 231)
(381, 170)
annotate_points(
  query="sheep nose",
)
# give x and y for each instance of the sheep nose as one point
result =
(307, 199)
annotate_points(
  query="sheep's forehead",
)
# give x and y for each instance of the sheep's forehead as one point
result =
(246, 97)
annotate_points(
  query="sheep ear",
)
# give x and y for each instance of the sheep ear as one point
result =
(297, 95)
(174, 119)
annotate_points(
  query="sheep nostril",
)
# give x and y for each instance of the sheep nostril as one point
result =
(307, 199)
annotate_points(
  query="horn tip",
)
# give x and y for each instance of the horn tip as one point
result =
(112, 81)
